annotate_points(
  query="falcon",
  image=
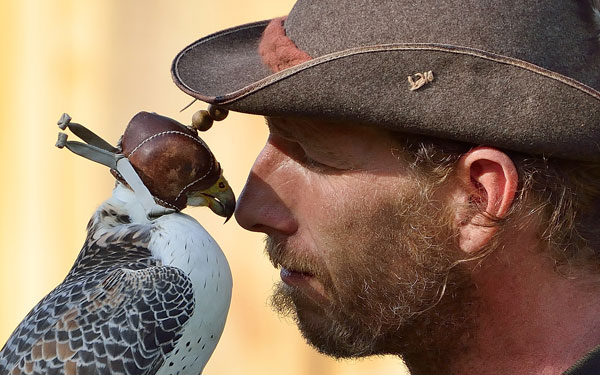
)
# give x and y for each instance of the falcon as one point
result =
(150, 290)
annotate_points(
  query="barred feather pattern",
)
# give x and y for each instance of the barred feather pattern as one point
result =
(117, 312)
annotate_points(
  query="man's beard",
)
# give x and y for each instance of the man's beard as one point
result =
(395, 280)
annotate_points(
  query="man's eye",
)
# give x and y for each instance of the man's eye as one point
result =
(317, 164)
(296, 151)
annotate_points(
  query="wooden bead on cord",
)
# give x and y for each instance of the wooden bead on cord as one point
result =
(203, 120)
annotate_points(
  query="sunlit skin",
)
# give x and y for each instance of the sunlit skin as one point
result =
(333, 207)
(302, 182)
(317, 188)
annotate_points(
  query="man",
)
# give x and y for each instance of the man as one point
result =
(431, 184)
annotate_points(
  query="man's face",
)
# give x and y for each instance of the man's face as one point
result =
(363, 241)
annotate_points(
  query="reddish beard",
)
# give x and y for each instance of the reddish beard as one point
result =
(392, 282)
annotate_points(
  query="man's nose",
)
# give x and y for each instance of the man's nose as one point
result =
(264, 204)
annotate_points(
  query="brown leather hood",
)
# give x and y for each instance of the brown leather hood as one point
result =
(169, 157)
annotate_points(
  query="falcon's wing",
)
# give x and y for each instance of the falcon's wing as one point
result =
(125, 324)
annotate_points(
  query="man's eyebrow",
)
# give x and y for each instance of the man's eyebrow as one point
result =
(281, 130)
(312, 144)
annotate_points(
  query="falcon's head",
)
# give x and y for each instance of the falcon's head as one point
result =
(175, 165)
(218, 197)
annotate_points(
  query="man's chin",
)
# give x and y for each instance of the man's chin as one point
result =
(321, 326)
(290, 302)
(335, 339)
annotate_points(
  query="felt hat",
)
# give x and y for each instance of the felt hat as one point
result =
(520, 75)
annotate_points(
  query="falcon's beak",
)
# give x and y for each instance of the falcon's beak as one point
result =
(219, 198)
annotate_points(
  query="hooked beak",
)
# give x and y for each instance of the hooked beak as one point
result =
(219, 198)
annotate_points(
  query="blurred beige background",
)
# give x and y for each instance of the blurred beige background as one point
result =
(102, 62)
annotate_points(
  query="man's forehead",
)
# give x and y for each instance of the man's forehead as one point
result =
(298, 126)
(311, 128)
(348, 145)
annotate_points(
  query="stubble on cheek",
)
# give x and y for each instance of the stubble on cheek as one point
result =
(389, 265)
(395, 265)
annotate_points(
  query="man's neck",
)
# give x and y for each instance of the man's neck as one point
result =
(531, 319)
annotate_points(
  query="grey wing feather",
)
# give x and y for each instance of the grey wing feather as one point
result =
(126, 324)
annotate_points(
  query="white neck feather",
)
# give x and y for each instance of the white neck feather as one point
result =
(125, 201)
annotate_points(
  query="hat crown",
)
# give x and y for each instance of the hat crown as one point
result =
(557, 35)
(518, 75)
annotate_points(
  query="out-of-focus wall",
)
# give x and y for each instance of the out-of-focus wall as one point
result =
(102, 62)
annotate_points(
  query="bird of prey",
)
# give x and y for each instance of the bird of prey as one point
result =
(150, 290)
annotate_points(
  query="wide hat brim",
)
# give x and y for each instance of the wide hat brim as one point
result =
(476, 96)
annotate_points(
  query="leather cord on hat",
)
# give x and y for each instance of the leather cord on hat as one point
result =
(100, 151)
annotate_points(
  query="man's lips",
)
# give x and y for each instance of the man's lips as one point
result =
(306, 283)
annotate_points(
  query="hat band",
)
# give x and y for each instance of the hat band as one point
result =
(278, 52)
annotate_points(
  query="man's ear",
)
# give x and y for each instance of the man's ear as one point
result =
(489, 181)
